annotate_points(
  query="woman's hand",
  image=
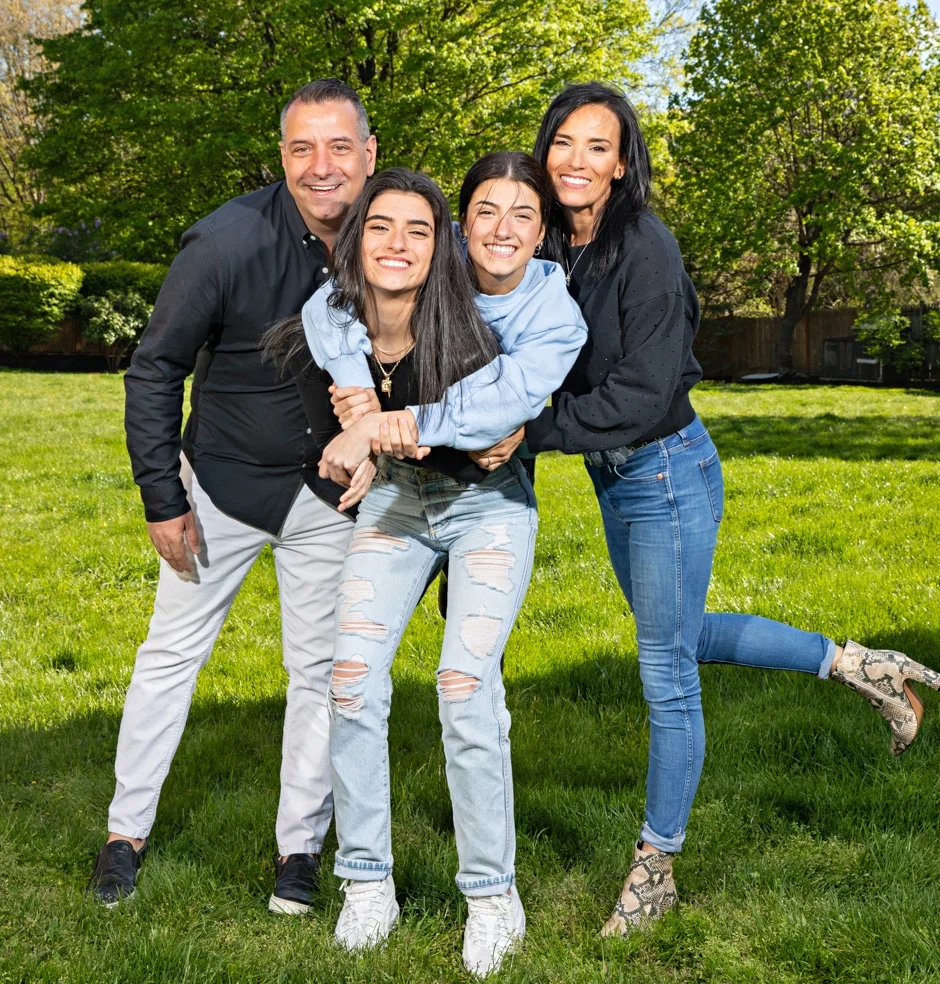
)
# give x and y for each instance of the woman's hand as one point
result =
(398, 436)
(359, 485)
(348, 450)
(498, 454)
(350, 403)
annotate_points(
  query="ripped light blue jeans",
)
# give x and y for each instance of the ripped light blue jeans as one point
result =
(661, 510)
(412, 520)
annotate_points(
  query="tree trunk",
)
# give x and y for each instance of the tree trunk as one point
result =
(795, 308)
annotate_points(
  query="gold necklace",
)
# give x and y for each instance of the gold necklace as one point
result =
(386, 385)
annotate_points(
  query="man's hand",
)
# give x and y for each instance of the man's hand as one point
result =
(352, 402)
(499, 454)
(173, 539)
(359, 485)
(398, 436)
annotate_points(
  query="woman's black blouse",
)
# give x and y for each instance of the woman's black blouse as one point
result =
(449, 461)
(631, 381)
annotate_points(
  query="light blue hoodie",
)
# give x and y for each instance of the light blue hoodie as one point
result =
(540, 330)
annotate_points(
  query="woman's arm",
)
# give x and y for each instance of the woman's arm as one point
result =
(635, 394)
(338, 342)
(484, 407)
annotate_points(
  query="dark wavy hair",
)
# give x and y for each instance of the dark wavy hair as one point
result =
(629, 196)
(451, 338)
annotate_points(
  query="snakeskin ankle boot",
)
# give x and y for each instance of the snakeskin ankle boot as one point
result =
(648, 893)
(883, 678)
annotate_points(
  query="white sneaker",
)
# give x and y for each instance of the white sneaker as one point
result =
(369, 913)
(494, 924)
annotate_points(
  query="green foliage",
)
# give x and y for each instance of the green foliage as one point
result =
(120, 276)
(158, 110)
(34, 297)
(811, 150)
(887, 335)
(117, 319)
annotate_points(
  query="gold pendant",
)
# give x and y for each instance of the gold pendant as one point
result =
(387, 386)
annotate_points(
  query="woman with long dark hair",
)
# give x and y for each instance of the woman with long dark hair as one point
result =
(625, 406)
(401, 283)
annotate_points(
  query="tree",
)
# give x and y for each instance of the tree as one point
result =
(157, 110)
(809, 151)
(21, 21)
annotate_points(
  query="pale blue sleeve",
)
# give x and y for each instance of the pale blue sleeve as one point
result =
(491, 403)
(337, 341)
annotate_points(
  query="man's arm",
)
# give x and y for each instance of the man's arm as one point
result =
(187, 310)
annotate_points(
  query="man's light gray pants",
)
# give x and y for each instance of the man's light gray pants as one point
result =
(188, 614)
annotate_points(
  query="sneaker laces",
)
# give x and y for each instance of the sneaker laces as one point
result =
(365, 901)
(490, 918)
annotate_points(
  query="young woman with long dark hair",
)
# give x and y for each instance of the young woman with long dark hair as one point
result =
(401, 282)
(625, 406)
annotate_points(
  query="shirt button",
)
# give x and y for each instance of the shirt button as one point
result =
(309, 431)
(326, 269)
(302, 467)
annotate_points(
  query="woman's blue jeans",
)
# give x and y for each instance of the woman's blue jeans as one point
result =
(661, 510)
(411, 521)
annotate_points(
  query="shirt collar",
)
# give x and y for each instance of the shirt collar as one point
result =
(293, 218)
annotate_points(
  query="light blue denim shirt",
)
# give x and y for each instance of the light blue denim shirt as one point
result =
(540, 330)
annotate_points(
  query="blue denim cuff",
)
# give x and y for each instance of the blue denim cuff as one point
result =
(825, 667)
(671, 845)
(482, 887)
(361, 870)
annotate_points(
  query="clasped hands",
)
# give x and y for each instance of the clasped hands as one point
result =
(349, 459)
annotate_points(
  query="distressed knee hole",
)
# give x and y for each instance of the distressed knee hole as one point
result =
(491, 566)
(370, 539)
(456, 686)
(346, 675)
(479, 633)
(353, 591)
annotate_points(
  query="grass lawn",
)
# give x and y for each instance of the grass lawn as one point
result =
(812, 856)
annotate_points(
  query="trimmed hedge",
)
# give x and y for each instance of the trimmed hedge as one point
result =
(34, 298)
(122, 277)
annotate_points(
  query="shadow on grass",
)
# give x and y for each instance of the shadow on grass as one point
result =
(782, 747)
(905, 438)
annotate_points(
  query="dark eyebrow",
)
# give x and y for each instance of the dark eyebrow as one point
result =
(567, 136)
(484, 201)
(388, 218)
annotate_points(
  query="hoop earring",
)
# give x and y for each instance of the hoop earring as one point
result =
(538, 248)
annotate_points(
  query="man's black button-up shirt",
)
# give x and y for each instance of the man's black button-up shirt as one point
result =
(247, 265)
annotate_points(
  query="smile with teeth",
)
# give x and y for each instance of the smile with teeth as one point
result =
(393, 264)
(573, 182)
(323, 189)
(499, 249)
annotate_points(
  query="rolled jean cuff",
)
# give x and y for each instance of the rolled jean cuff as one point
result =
(825, 667)
(670, 845)
(477, 888)
(361, 870)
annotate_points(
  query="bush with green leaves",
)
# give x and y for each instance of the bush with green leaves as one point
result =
(117, 319)
(34, 298)
(887, 336)
(119, 276)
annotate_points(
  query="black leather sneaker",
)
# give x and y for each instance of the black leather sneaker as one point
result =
(295, 884)
(116, 867)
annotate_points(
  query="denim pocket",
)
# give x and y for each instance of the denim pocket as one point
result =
(642, 467)
(715, 484)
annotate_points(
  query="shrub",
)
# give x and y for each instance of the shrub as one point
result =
(116, 319)
(144, 279)
(34, 297)
(886, 335)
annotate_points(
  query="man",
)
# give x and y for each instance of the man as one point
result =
(248, 478)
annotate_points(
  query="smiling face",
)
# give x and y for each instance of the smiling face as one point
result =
(503, 225)
(584, 157)
(397, 243)
(326, 162)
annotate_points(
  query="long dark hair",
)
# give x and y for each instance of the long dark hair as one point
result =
(629, 195)
(451, 338)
